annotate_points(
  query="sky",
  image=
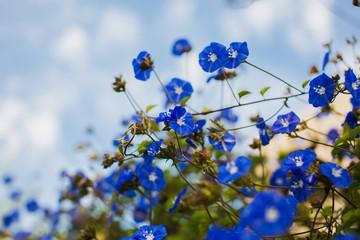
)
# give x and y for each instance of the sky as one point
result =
(59, 58)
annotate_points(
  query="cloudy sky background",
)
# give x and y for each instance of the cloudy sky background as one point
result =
(59, 58)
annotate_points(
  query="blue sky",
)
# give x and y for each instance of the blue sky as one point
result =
(58, 60)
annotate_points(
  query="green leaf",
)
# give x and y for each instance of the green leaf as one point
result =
(285, 104)
(206, 109)
(243, 93)
(121, 149)
(352, 134)
(305, 83)
(148, 108)
(351, 218)
(344, 145)
(183, 102)
(263, 91)
(142, 146)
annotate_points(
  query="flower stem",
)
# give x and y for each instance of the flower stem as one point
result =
(166, 91)
(227, 81)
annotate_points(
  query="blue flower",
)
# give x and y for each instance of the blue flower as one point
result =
(150, 232)
(125, 176)
(347, 236)
(32, 205)
(181, 46)
(164, 116)
(192, 143)
(7, 179)
(179, 89)
(233, 170)
(151, 178)
(22, 235)
(326, 59)
(10, 218)
(211, 58)
(279, 178)
(223, 143)
(151, 150)
(142, 208)
(264, 136)
(298, 186)
(286, 123)
(351, 120)
(177, 200)
(339, 177)
(355, 103)
(321, 91)
(230, 234)
(269, 214)
(229, 115)
(333, 135)
(46, 237)
(15, 195)
(181, 121)
(198, 125)
(143, 66)
(352, 84)
(236, 54)
(311, 179)
(300, 159)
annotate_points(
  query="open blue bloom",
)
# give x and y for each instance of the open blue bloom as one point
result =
(286, 123)
(124, 176)
(233, 170)
(10, 217)
(321, 90)
(211, 58)
(298, 186)
(235, 54)
(264, 136)
(181, 46)
(151, 178)
(279, 178)
(326, 59)
(347, 236)
(339, 177)
(177, 200)
(300, 159)
(351, 120)
(32, 205)
(164, 116)
(179, 89)
(181, 121)
(143, 66)
(224, 143)
(150, 232)
(151, 150)
(198, 125)
(352, 84)
(269, 214)
(229, 115)
(333, 135)
(231, 234)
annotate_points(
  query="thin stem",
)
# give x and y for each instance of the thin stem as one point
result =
(132, 104)
(166, 91)
(212, 220)
(227, 81)
(133, 99)
(316, 214)
(273, 76)
(345, 198)
(183, 177)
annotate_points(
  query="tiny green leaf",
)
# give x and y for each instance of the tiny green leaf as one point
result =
(148, 108)
(305, 83)
(263, 91)
(206, 109)
(243, 93)
(183, 102)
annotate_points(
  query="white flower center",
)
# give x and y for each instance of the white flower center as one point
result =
(320, 90)
(180, 121)
(284, 122)
(271, 214)
(149, 236)
(212, 57)
(298, 184)
(152, 177)
(336, 172)
(355, 85)
(232, 168)
(233, 53)
(298, 161)
(178, 90)
(279, 181)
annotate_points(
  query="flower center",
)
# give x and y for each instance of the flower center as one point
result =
(212, 57)
(355, 85)
(336, 172)
(298, 161)
(152, 177)
(284, 122)
(149, 236)
(272, 214)
(279, 181)
(180, 121)
(298, 184)
(320, 90)
(233, 53)
(178, 90)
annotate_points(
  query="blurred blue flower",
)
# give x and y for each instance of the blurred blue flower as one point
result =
(46, 237)
(143, 66)
(181, 121)
(142, 207)
(125, 176)
(151, 150)
(326, 59)
(278, 178)
(32, 205)
(15, 195)
(352, 84)
(150, 232)
(339, 177)
(22, 235)
(224, 143)
(179, 89)
(264, 136)
(235, 54)
(268, 214)
(233, 170)
(151, 178)
(11, 217)
(211, 58)
(181, 46)
(333, 135)
(298, 185)
(7, 179)
(300, 159)
(229, 115)
(231, 234)
(351, 120)
(177, 200)
(321, 91)
(286, 123)
(347, 236)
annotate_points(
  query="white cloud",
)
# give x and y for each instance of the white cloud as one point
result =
(72, 45)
